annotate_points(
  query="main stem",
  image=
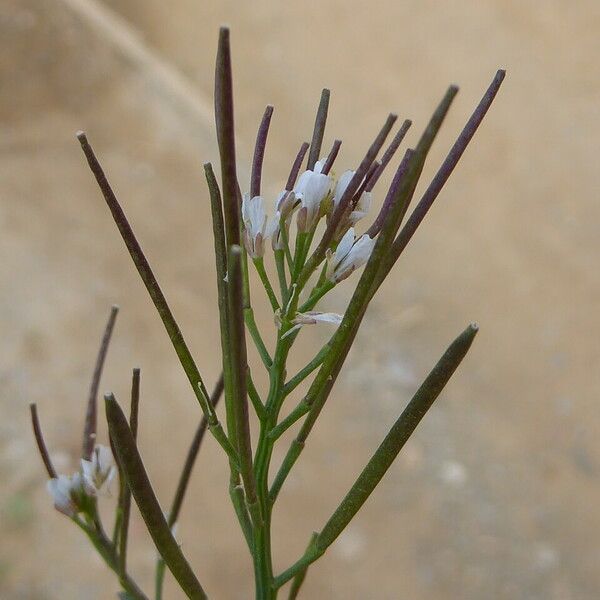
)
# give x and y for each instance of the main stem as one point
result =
(263, 563)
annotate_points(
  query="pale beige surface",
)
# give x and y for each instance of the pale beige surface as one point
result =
(497, 494)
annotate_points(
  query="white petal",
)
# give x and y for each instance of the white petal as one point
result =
(341, 186)
(302, 182)
(99, 471)
(345, 245)
(60, 489)
(104, 457)
(364, 203)
(361, 251)
(245, 208)
(328, 317)
(255, 215)
(272, 225)
(312, 318)
(320, 164)
(342, 266)
(312, 188)
(358, 256)
(87, 468)
(257, 226)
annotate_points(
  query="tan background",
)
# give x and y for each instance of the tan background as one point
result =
(497, 495)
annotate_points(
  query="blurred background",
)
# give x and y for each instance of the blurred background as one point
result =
(497, 494)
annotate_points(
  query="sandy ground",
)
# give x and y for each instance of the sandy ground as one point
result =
(497, 495)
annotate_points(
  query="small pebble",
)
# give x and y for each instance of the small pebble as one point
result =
(454, 473)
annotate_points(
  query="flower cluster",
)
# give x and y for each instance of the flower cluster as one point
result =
(69, 492)
(315, 195)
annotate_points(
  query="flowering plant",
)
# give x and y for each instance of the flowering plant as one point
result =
(314, 205)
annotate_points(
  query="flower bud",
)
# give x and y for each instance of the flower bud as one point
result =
(66, 492)
(257, 227)
(348, 256)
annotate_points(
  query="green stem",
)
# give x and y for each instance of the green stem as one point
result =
(107, 551)
(256, 337)
(259, 407)
(310, 556)
(286, 247)
(215, 427)
(125, 504)
(289, 460)
(301, 575)
(297, 379)
(298, 252)
(159, 578)
(316, 295)
(284, 425)
(262, 534)
(280, 264)
(387, 451)
(259, 263)
(221, 270)
(238, 499)
(239, 391)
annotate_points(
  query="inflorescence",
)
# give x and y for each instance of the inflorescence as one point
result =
(311, 231)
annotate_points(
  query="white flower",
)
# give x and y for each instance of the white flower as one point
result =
(311, 318)
(257, 227)
(363, 204)
(65, 491)
(341, 185)
(311, 189)
(99, 471)
(348, 256)
(362, 208)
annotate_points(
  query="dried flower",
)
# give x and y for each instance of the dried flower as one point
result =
(313, 317)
